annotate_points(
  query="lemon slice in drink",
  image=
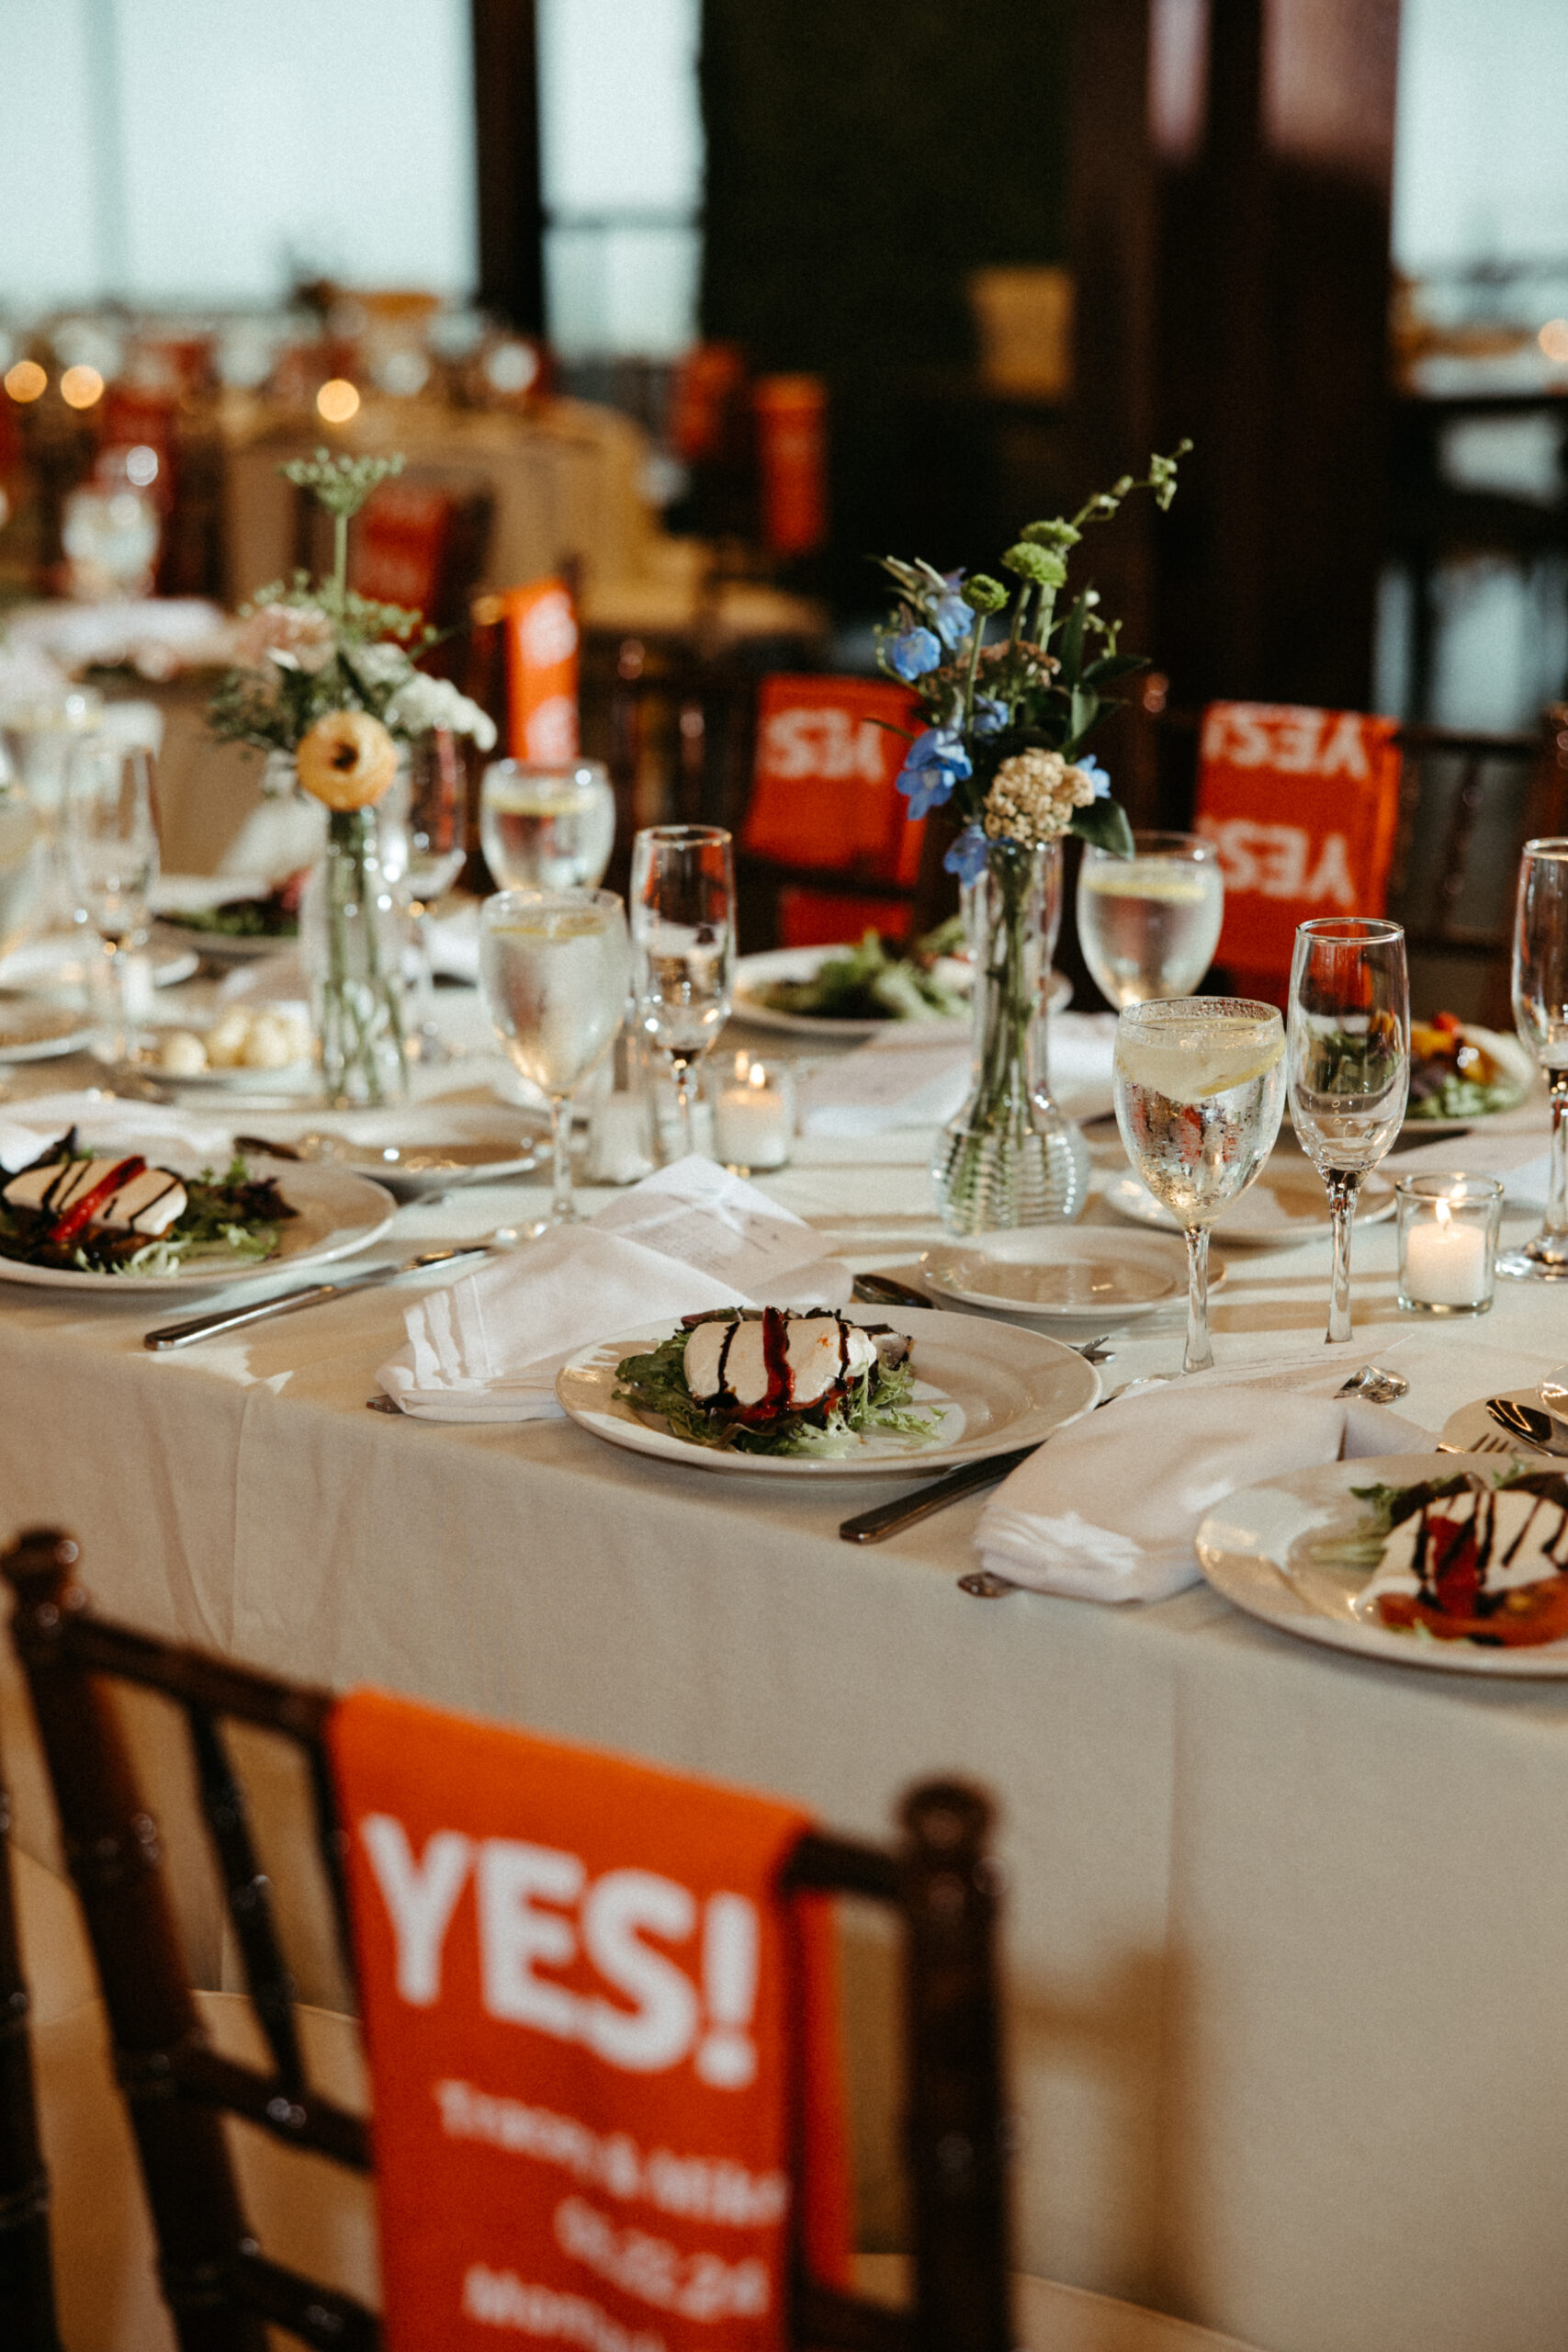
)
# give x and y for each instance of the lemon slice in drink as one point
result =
(1188, 1063)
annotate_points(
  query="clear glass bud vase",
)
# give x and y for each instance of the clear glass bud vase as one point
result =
(351, 931)
(1010, 1158)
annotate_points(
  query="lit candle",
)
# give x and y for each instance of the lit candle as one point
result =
(751, 1117)
(1445, 1261)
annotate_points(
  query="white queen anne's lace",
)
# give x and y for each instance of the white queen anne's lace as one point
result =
(1032, 798)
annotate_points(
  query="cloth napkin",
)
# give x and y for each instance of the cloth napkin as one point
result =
(1108, 1508)
(107, 1122)
(487, 1348)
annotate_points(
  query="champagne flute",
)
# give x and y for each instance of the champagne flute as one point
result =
(682, 903)
(436, 826)
(1349, 1032)
(1149, 924)
(547, 827)
(1540, 1015)
(109, 835)
(554, 967)
(1200, 1086)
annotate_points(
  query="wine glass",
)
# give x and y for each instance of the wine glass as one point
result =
(110, 837)
(1349, 1031)
(1540, 1015)
(547, 826)
(683, 907)
(435, 824)
(1149, 924)
(552, 968)
(1200, 1087)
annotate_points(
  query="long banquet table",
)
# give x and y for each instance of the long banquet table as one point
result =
(1286, 1931)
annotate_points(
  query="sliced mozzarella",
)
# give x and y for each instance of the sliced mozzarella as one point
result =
(819, 1362)
(701, 1360)
(1517, 1515)
(729, 1361)
(148, 1203)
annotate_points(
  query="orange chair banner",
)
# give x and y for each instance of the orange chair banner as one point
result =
(541, 671)
(791, 462)
(594, 2027)
(1303, 807)
(823, 790)
(401, 547)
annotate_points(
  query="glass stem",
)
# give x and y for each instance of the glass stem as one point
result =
(560, 1156)
(425, 975)
(1199, 1355)
(1343, 1190)
(684, 1106)
(1557, 1197)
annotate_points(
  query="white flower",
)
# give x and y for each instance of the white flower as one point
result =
(293, 637)
(382, 665)
(423, 703)
(1032, 798)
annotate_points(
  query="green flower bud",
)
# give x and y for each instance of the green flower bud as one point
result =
(1054, 533)
(984, 595)
(1043, 566)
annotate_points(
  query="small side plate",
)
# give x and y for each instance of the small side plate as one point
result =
(1043, 1272)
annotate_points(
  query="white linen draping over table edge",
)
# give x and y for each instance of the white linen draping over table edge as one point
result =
(1284, 1933)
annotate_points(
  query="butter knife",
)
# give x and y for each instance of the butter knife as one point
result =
(204, 1326)
(890, 1518)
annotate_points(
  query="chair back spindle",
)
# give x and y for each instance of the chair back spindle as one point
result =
(27, 2283)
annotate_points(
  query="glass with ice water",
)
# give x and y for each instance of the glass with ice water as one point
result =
(109, 840)
(554, 966)
(1149, 924)
(682, 903)
(1200, 1085)
(547, 827)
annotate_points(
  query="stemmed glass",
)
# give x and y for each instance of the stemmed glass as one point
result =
(1349, 1039)
(1149, 924)
(554, 967)
(109, 835)
(682, 909)
(1200, 1087)
(547, 826)
(1540, 1015)
(437, 832)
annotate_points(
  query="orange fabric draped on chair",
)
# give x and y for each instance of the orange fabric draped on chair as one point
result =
(1303, 807)
(588, 2008)
(824, 803)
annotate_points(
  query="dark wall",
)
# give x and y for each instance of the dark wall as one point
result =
(863, 155)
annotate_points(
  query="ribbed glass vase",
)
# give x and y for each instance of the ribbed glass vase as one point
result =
(1010, 1158)
(351, 931)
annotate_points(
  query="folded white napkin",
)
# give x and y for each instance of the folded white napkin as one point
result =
(1108, 1508)
(902, 1079)
(107, 1122)
(487, 1348)
(455, 944)
(1080, 1048)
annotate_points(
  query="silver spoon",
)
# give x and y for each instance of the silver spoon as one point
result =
(1527, 1422)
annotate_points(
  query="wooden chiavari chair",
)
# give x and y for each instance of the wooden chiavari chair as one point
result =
(222, 2290)
(27, 2284)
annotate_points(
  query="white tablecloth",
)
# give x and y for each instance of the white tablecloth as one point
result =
(1286, 1932)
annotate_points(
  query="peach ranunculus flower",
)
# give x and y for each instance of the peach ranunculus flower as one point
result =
(295, 637)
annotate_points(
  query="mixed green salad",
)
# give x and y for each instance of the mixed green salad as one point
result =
(874, 982)
(228, 1217)
(879, 1403)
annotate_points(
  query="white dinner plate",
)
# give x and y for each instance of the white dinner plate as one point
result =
(754, 972)
(33, 1032)
(1287, 1203)
(997, 1386)
(1088, 1271)
(338, 1213)
(424, 1150)
(1254, 1548)
(57, 962)
(219, 947)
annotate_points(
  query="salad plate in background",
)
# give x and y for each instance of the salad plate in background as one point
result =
(987, 1387)
(1459, 1071)
(851, 993)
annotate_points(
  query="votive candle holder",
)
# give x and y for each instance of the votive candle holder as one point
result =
(1448, 1242)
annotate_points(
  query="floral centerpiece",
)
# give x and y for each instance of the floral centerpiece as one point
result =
(1003, 754)
(325, 682)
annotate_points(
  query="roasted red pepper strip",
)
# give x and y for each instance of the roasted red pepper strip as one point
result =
(80, 1210)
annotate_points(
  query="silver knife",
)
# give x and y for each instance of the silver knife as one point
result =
(203, 1327)
(889, 1518)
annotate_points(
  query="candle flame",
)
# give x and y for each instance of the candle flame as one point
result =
(1445, 1213)
(756, 1075)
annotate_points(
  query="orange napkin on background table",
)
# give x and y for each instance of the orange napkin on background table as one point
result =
(594, 2028)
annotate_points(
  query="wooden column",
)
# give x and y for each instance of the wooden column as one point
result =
(506, 110)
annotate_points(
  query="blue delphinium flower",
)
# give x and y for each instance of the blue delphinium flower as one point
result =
(911, 655)
(990, 715)
(966, 858)
(934, 763)
(951, 618)
(1095, 775)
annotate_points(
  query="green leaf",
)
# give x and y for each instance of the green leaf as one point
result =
(1104, 822)
(1070, 645)
(1086, 711)
(1114, 666)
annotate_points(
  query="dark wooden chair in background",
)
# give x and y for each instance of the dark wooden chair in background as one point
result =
(28, 2320)
(221, 2290)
